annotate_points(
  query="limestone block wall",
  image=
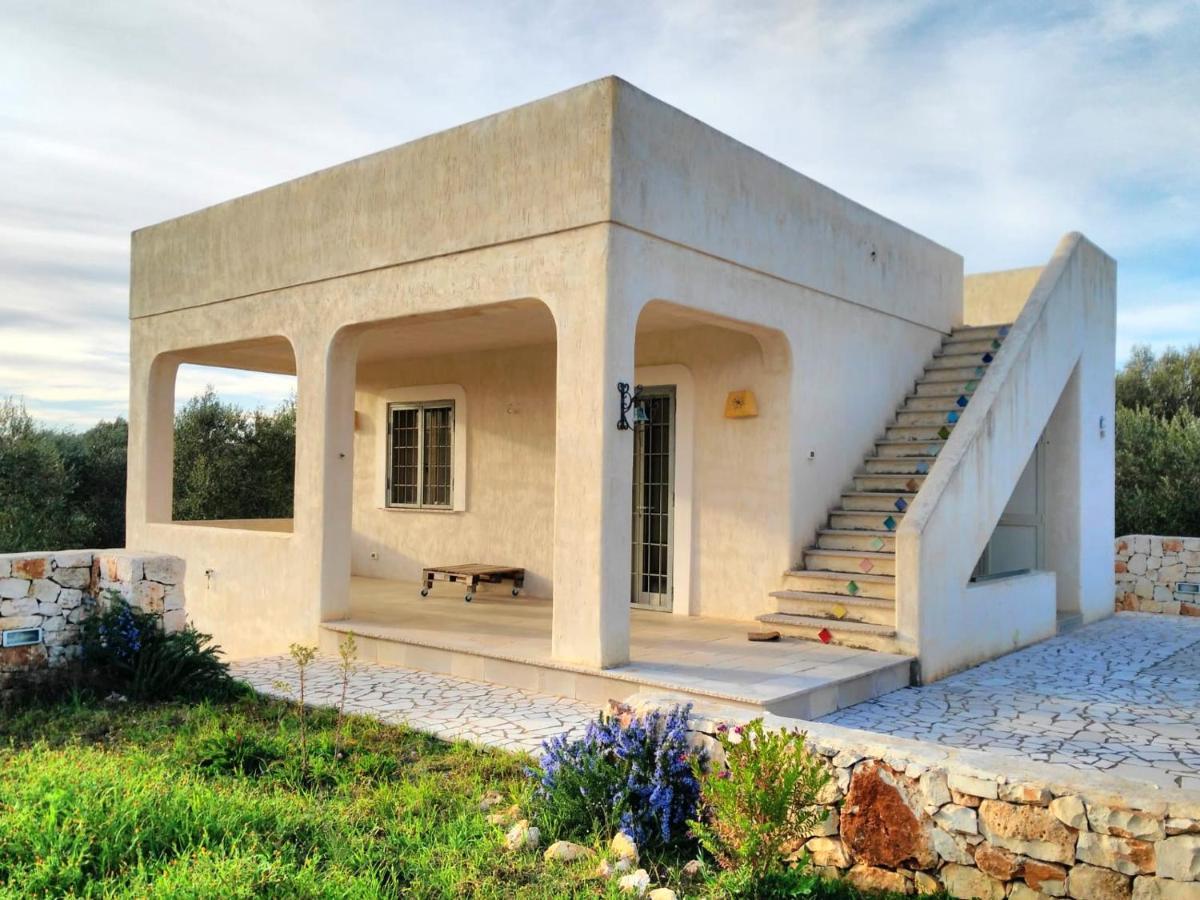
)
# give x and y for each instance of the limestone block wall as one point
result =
(56, 591)
(917, 818)
(1148, 571)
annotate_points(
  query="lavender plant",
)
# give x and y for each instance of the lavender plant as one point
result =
(636, 777)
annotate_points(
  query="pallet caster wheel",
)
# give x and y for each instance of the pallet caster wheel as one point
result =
(424, 592)
(469, 598)
(516, 591)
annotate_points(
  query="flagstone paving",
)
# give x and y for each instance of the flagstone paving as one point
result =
(451, 708)
(1121, 695)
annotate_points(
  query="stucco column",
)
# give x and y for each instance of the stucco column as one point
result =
(325, 471)
(593, 480)
(151, 448)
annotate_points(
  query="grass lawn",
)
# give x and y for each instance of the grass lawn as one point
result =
(210, 800)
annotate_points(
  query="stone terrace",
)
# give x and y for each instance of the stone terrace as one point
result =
(1121, 696)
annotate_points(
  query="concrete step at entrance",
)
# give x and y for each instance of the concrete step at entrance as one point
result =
(959, 361)
(899, 465)
(818, 581)
(928, 416)
(846, 634)
(856, 539)
(862, 520)
(853, 562)
(918, 433)
(879, 501)
(837, 608)
(952, 389)
(884, 482)
(937, 402)
(905, 448)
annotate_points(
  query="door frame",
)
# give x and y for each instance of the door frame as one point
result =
(680, 378)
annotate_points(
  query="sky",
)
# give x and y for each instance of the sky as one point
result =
(992, 128)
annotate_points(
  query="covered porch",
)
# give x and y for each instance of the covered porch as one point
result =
(506, 640)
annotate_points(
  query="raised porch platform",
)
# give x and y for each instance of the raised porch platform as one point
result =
(506, 641)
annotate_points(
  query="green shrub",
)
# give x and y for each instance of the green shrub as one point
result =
(761, 800)
(238, 753)
(126, 650)
(1158, 473)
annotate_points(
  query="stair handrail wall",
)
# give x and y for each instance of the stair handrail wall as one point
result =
(951, 519)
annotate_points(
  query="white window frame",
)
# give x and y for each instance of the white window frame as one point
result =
(423, 395)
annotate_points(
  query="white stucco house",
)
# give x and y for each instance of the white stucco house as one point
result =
(838, 436)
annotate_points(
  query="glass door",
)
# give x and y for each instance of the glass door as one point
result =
(653, 499)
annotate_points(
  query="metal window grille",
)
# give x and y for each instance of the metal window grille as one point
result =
(421, 454)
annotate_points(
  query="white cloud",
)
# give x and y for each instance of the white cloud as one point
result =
(993, 128)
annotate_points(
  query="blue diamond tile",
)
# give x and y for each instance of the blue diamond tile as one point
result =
(922, 468)
(951, 417)
(987, 357)
(901, 505)
(932, 449)
(889, 523)
(961, 401)
(1003, 330)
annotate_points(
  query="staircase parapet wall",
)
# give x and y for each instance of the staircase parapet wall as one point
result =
(1068, 313)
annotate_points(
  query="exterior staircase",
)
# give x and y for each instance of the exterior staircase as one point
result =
(844, 590)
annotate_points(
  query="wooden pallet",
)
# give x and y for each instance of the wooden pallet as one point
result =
(472, 575)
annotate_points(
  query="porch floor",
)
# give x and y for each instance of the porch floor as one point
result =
(507, 641)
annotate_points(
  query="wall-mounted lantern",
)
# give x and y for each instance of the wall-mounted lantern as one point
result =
(630, 401)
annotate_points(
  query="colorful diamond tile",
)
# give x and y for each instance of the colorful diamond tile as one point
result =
(839, 611)
(932, 449)
(943, 432)
(912, 485)
(866, 566)
(952, 417)
(995, 345)
(825, 635)
(1003, 331)
(987, 357)
(852, 588)
(889, 523)
(962, 401)
(877, 544)
(901, 504)
(979, 370)
(971, 385)
(922, 468)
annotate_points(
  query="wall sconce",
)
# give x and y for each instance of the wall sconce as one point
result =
(1102, 426)
(629, 401)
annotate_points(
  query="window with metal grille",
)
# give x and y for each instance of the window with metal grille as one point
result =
(421, 454)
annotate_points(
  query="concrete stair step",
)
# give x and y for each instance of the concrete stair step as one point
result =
(972, 345)
(937, 402)
(915, 433)
(906, 449)
(820, 581)
(856, 539)
(879, 501)
(958, 361)
(928, 416)
(952, 389)
(875, 481)
(862, 520)
(970, 332)
(954, 374)
(836, 608)
(852, 562)
(845, 634)
(899, 465)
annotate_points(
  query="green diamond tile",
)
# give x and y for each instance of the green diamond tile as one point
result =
(943, 432)
(877, 544)
(852, 588)
(889, 523)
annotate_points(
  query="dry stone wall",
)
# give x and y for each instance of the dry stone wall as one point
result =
(917, 818)
(56, 591)
(1148, 572)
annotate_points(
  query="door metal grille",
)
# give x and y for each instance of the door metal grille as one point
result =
(654, 500)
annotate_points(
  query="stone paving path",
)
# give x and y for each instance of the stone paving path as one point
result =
(1121, 695)
(451, 708)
